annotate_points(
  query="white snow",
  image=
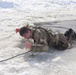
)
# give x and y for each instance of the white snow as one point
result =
(55, 14)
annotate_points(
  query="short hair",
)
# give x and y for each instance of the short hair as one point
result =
(24, 30)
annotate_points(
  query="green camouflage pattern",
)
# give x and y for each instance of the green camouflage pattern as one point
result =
(39, 48)
(41, 39)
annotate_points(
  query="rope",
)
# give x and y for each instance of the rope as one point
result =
(13, 56)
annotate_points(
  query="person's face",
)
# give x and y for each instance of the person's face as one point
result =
(27, 35)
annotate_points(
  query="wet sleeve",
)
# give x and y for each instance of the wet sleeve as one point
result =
(39, 48)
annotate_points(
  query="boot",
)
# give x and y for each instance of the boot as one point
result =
(70, 34)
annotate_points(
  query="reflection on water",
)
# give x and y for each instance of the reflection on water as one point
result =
(4, 4)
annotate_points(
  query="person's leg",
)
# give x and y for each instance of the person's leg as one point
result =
(70, 34)
(62, 43)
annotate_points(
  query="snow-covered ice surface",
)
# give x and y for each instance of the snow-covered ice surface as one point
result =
(56, 14)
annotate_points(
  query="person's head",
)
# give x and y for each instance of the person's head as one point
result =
(25, 32)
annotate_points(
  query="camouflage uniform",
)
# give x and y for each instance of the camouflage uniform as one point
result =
(44, 38)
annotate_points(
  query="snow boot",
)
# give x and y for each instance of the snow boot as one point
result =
(70, 34)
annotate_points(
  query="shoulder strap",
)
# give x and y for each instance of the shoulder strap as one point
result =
(48, 34)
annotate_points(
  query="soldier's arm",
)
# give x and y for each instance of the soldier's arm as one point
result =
(39, 48)
(36, 47)
(40, 44)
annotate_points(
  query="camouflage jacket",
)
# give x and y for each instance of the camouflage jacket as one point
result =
(44, 38)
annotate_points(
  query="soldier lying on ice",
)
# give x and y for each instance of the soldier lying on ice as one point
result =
(43, 38)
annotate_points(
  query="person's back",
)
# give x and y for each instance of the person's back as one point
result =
(46, 37)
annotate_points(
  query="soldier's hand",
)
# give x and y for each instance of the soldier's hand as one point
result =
(28, 45)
